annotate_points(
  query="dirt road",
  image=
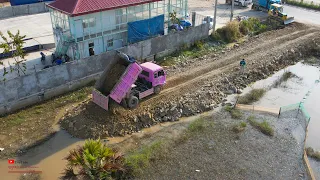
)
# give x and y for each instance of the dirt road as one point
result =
(197, 85)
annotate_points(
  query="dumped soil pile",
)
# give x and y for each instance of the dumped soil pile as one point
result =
(199, 85)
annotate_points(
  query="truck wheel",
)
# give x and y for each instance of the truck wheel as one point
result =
(157, 89)
(133, 102)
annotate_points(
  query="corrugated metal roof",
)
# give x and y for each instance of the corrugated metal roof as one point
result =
(81, 7)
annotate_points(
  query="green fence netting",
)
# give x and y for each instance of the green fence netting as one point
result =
(305, 113)
(299, 107)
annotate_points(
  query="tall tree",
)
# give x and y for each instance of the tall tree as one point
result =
(13, 45)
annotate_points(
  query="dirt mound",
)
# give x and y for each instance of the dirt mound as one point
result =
(200, 85)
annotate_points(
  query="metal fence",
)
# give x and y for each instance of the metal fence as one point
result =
(299, 108)
(199, 19)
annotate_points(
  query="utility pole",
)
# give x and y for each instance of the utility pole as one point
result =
(232, 6)
(215, 15)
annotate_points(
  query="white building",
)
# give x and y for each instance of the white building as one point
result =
(89, 27)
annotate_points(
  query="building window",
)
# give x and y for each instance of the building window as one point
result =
(89, 23)
(92, 22)
(110, 43)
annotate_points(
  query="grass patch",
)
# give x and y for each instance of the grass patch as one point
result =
(253, 96)
(264, 126)
(239, 127)
(139, 160)
(285, 77)
(313, 154)
(235, 113)
(243, 124)
(196, 126)
(46, 110)
(251, 118)
(198, 49)
(301, 3)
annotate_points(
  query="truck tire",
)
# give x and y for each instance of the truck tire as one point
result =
(157, 89)
(133, 102)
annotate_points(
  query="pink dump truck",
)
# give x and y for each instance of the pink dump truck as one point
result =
(126, 82)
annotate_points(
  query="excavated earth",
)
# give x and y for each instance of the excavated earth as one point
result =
(198, 85)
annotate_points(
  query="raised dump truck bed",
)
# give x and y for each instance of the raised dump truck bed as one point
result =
(126, 82)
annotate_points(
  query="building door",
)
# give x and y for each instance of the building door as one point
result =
(110, 45)
(91, 48)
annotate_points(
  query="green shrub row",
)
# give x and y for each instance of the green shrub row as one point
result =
(304, 4)
(235, 30)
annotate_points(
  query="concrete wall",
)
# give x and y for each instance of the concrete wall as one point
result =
(42, 85)
(12, 11)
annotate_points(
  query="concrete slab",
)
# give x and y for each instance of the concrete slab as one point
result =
(33, 26)
(33, 62)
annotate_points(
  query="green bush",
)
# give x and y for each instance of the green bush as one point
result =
(244, 27)
(252, 25)
(243, 124)
(216, 36)
(303, 4)
(264, 127)
(253, 96)
(94, 160)
(228, 33)
(232, 32)
(199, 44)
(235, 113)
(239, 127)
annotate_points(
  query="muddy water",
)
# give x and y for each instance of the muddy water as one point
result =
(47, 158)
(293, 91)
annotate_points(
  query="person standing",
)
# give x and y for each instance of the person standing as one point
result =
(242, 66)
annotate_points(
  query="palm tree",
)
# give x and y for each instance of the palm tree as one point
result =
(95, 161)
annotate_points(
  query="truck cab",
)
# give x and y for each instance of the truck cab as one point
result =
(153, 74)
(264, 5)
